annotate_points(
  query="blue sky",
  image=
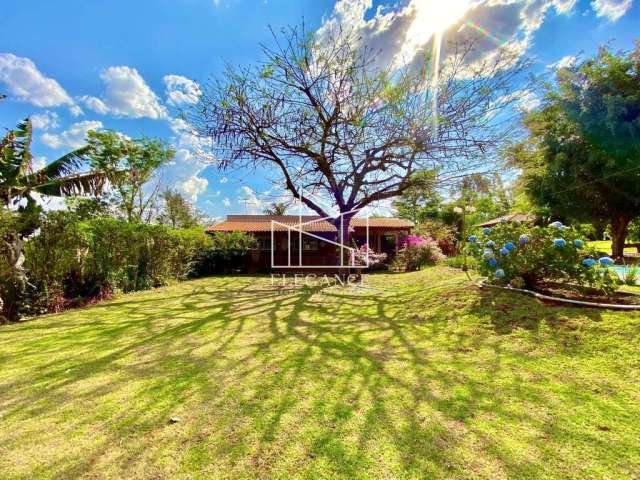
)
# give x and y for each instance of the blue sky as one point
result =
(129, 65)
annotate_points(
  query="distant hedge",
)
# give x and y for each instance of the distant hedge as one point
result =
(72, 260)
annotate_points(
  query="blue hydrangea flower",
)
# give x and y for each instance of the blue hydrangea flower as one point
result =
(492, 262)
(487, 254)
(524, 239)
(486, 230)
(556, 224)
(578, 243)
(504, 251)
(472, 238)
(509, 246)
(490, 244)
(606, 261)
(560, 242)
(589, 262)
(499, 273)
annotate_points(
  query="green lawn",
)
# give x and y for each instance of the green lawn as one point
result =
(605, 246)
(421, 375)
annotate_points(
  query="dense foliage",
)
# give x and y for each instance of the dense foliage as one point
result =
(20, 185)
(74, 260)
(130, 165)
(415, 252)
(527, 256)
(177, 212)
(580, 161)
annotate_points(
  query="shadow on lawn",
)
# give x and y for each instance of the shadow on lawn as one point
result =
(312, 380)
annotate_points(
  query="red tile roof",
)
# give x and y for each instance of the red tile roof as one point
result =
(262, 223)
(511, 217)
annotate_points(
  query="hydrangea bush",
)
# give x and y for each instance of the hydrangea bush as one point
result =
(415, 252)
(526, 256)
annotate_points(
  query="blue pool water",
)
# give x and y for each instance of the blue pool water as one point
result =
(622, 270)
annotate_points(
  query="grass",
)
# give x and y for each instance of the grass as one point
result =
(605, 246)
(421, 375)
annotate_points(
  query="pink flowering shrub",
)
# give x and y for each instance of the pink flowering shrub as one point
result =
(359, 256)
(415, 251)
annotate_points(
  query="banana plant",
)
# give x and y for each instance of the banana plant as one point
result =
(18, 184)
(18, 181)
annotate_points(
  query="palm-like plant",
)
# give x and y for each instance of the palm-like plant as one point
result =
(18, 182)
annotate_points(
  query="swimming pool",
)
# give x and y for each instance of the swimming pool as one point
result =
(622, 270)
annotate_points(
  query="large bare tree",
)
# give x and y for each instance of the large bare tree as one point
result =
(334, 123)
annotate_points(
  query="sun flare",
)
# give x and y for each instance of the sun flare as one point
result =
(432, 17)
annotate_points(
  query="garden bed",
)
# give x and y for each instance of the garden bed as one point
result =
(569, 294)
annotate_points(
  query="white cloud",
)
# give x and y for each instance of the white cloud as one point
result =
(38, 163)
(74, 137)
(612, 9)
(28, 84)
(403, 35)
(193, 186)
(528, 100)
(226, 202)
(567, 61)
(190, 161)
(181, 90)
(75, 110)
(224, 180)
(250, 201)
(45, 121)
(126, 95)
(95, 104)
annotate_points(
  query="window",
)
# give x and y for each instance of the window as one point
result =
(309, 243)
(264, 243)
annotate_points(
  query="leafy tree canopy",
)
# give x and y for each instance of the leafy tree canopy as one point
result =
(581, 160)
(130, 164)
(177, 212)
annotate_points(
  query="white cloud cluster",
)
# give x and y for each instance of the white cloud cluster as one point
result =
(24, 81)
(191, 159)
(250, 202)
(126, 95)
(72, 138)
(45, 121)
(181, 90)
(403, 35)
(567, 61)
(611, 9)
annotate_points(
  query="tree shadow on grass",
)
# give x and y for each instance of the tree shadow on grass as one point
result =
(416, 379)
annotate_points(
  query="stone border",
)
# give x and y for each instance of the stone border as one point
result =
(540, 296)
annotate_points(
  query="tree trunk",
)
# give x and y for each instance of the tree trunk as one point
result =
(619, 228)
(342, 236)
(13, 287)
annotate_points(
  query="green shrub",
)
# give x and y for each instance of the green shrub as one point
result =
(631, 275)
(523, 255)
(228, 251)
(70, 259)
(458, 261)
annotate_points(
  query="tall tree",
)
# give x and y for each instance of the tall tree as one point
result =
(19, 183)
(177, 212)
(421, 199)
(130, 165)
(321, 112)
(276, 208)
(582, 157)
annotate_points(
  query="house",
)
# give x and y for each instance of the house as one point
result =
(511, 217)
(317, 251)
